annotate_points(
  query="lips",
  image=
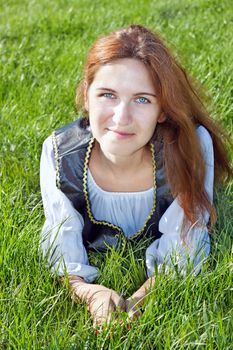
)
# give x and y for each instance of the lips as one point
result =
(121, 133)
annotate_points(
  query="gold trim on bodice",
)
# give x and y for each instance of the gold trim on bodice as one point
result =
(85, 190)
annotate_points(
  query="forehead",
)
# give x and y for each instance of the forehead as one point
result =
(124, 73)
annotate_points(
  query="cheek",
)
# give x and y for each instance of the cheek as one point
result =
(98, 112)
(148, 120)
(99, 118)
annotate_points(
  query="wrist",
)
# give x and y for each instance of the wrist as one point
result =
(74, 281)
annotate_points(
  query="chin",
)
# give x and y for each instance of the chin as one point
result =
(117, 149)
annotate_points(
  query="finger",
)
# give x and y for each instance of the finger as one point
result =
(101, 319)
(133, 314)
(129, 303)
(118, 300)
(133, 308)
(102, 313)
(121, 304)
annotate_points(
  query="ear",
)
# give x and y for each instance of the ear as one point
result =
(162, 117)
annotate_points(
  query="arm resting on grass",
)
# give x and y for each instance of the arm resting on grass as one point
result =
(61, 240)
(170, 251)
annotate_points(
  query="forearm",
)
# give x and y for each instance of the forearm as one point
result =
(142, 291)
(74, 280)
(137, 299)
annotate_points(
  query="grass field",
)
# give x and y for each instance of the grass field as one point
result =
(43, 46)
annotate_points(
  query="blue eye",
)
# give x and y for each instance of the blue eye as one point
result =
(142, 100)
(108, 95)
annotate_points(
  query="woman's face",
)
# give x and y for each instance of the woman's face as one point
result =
(123, 108)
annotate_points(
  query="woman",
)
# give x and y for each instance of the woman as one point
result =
(140, 163)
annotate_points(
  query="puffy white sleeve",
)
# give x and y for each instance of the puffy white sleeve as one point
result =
(61, 237)
(169, 251)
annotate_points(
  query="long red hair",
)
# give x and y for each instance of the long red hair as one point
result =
(180, 104)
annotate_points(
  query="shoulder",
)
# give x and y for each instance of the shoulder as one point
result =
(71, 137)
(205, 139)
(47, 146)
(204, 136)
(76, 126)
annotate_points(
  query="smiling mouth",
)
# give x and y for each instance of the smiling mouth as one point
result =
(121, 133)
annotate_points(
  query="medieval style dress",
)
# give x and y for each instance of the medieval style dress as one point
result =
(80, 215)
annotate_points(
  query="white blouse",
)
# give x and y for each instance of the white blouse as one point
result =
(62, 242)
(127, 210)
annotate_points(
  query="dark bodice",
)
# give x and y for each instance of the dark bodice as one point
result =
(72, 147)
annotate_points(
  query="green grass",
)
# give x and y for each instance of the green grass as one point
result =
(43, 46)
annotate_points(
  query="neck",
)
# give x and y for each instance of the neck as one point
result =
(126, 164)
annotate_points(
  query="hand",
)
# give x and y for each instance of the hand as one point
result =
(101, 301)
(134, 303)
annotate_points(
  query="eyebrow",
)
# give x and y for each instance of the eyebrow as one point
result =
(137, 94)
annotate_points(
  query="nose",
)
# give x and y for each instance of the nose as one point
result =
(121, 114)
